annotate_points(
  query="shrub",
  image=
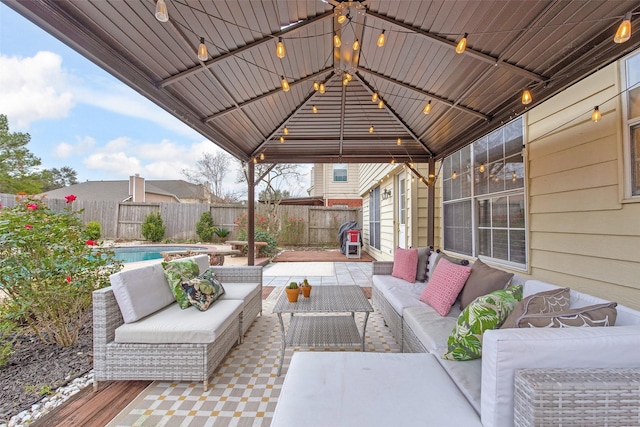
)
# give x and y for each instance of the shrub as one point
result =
(221, 232)
(93, 230)
(272, 246)
(204, 227)
(153, 228)
(292, 231)
(49, 269)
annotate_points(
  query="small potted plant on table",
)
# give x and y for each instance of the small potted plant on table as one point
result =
(292, 292)
(306, 288)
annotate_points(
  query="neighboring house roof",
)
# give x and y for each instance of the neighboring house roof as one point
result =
(299, 201)
(119, 190)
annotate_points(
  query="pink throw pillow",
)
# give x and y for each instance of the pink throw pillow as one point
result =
(405, 264)
(444, 286)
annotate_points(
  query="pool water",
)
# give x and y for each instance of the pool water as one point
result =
(146, 253)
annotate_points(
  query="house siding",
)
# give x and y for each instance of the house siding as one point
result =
(581, 234)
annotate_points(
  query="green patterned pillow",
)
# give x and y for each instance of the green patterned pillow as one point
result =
(484, 313)
(203, 290)
(178, 271)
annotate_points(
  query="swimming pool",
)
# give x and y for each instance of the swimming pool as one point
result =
(147, 252)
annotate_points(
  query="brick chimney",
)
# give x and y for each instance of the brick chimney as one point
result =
(136, 188)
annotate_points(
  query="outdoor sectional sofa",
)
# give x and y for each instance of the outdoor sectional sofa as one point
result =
(569, 376)
(140, 332)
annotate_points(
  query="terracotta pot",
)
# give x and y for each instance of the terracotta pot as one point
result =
(306, 291)
(292, 294)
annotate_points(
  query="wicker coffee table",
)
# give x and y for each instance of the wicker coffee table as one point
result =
(337, 329)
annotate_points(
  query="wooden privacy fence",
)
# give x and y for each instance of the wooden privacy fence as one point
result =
(294, 225)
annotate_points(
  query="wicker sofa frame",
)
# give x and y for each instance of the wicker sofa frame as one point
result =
(392, 318)
(172, 362)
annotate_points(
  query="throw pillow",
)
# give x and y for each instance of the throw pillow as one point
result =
(482, 281)
(592, 315)
(178, 271)
(442, 255)
(484, 313)
(203, 290)
(405, 263)
(552, 301)
(423, 263)
(444, 285)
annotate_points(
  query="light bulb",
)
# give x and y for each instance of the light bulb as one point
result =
(285, 130)
(399, 141)
(380, 41)
(526, 97)
(203, 55)
(316, 86)
(481, 168)
(285, 84)
(597, 115)
(427, 108)
(462, 44)
(624, 30)
(162, 14)
(454, 175)
(356, 44)
(514, 177)
(381, 104)
(345, 81)
(371, 129)
(336, 40)
(281, 139)
(280, 48)
(261, 156)
(348, 76)
(341, 19)
(393, 161)
(321, 87)
(255, 160)
(411, 164)
(314, 109)
(374, 97)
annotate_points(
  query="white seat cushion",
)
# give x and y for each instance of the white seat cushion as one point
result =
(240, 291)
(141, 291)
(429, 327)
(468, 377)
(173, 325)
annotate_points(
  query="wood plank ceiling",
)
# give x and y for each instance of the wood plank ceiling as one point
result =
(235, 98)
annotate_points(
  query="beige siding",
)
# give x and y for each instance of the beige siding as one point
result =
(580, 234)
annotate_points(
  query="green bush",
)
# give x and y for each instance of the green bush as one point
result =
(204, 227)
(153, 228)
(272, 246)
(221, 232)
(49, 269)
(93, 230)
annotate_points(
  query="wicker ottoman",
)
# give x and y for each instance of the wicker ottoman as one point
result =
(577, 397)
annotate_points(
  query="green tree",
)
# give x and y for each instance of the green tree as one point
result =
(58, 178)
(153, 227)
(17, 163)
(204, 227)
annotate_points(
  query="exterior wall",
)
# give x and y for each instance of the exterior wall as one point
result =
(581, 234)
(336, 193)
(159, 198)
(352, 203)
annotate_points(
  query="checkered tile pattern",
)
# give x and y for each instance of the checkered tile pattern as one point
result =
(244, 390)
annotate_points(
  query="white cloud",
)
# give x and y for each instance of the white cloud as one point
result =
(83, 145)
(34, 88)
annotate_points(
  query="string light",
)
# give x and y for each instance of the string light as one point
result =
(255, 160)
(356, 45)
(481, 168)
(285, 84)
(336, 40)
(371, 129)
(203, 55)
(285, 130)
(348, 76)
(381, 104)
(597, 115)
(514, 176)
(162, 14)
(316, 86)
(454, 175)
(526, 97)
(393, 161)
(281, 139)
(380, 41)
(462, 44)
(427, 108)
(314, 109)
(280, 48)
(342, 18)
(624, 30)
(399, 141)
(321, 88)
(345, 81)
(261, 156)
(374, 97)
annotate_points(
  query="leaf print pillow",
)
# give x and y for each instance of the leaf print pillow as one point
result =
(484, 313)
(203, 290)
(178, 271)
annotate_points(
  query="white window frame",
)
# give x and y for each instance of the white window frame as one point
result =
(627, 125)
(340, 166)
(374, 218)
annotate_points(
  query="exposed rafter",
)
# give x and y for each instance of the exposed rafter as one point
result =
(266, 95)
(195, 69)
(424, 92)
(469, 51)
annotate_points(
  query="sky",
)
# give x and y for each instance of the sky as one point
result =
(80, 116)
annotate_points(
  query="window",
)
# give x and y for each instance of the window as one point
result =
(483, 193)
(374, 218)
(632, 117)
(340, 173)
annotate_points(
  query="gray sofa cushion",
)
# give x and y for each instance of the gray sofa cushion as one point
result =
(429, 327)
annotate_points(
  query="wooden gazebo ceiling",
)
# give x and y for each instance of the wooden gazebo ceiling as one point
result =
(235, 98)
